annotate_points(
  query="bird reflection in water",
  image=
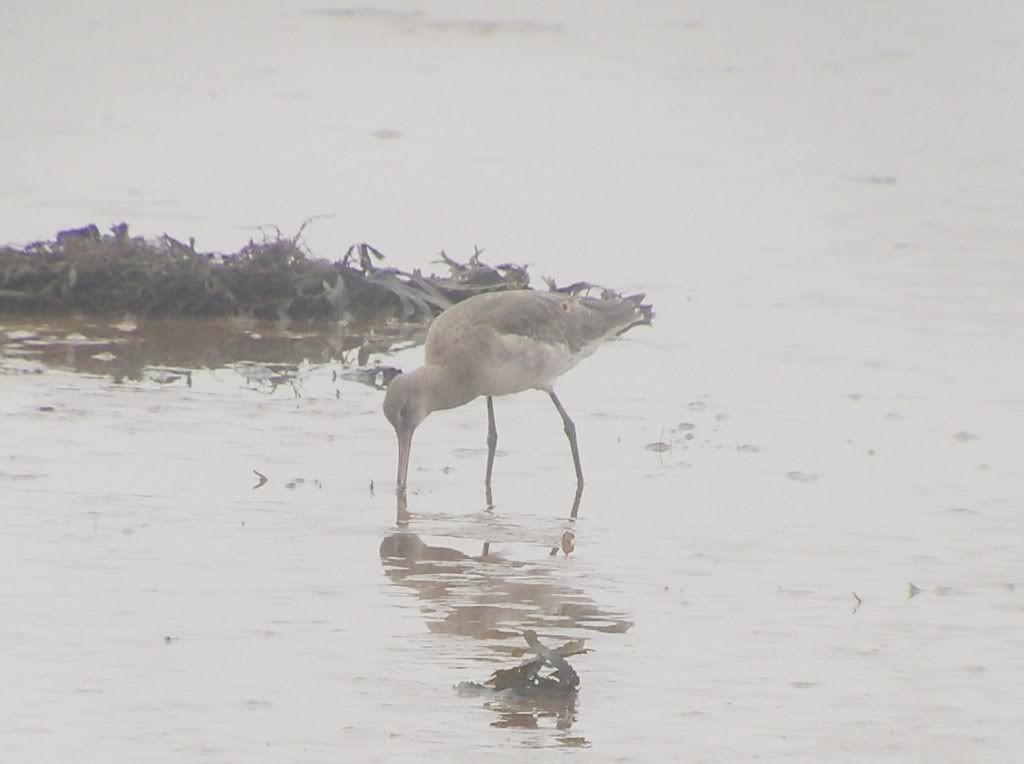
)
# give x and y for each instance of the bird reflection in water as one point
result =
(489, 597)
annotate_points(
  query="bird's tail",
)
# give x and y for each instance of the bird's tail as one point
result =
(643, 312)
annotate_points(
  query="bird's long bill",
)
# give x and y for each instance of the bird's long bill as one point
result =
(404, 447)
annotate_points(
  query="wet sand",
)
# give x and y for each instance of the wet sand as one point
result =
(821, 206)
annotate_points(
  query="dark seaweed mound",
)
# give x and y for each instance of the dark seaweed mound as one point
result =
(85, 272)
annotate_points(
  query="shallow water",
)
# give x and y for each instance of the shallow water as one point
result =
(821, 203)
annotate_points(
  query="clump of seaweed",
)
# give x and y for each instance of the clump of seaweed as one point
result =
(527, 679)
(84, 271)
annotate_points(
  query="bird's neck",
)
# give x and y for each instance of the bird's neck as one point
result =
(445, 389)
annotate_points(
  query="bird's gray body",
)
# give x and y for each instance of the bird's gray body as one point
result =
(507, 342)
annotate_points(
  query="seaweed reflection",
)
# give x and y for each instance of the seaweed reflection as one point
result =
(532, 712)
(267, 354)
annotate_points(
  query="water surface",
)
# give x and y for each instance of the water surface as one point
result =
(821, 202)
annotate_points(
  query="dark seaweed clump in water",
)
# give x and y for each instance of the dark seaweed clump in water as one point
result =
(527, 679)
(83, 271)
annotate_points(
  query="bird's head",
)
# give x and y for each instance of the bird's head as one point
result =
(406, 404)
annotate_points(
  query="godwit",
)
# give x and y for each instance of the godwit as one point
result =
(501, 343)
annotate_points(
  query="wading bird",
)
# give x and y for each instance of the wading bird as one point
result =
(501, 343)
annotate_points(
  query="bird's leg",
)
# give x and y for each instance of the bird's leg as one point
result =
(402, 508)
(492, 444)
(576, 502)
(570, 433)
